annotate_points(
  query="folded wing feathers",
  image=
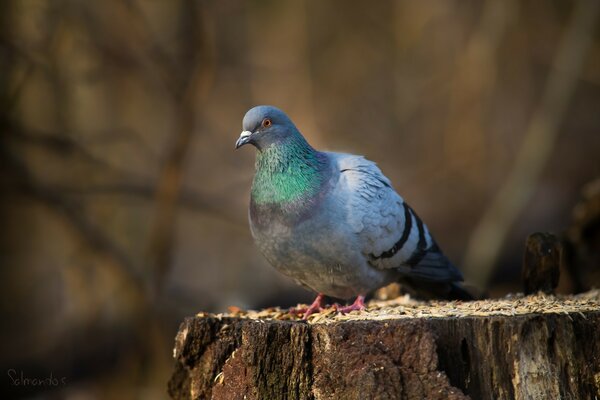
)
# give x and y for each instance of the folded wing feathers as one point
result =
(393, 235)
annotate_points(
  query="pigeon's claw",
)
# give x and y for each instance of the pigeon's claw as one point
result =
(358, 305)
(315, 307)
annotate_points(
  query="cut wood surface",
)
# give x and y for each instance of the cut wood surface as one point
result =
(533, 347)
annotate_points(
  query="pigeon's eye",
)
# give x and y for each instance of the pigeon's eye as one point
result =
(266, 123)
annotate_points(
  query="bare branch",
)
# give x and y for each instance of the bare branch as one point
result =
(75, 215)
(192, 84)
(187, 198)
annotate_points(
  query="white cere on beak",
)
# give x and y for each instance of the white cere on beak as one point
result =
(245, 134)
(243, 139)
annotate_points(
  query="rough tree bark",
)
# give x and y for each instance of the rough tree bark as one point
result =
(536, 347)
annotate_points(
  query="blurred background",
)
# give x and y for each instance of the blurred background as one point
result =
(124, 205)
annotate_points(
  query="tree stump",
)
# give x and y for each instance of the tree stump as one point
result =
(534, 347)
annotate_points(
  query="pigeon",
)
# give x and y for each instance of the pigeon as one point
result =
(333, 222)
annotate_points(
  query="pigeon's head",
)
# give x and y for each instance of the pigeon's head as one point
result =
(264, 126)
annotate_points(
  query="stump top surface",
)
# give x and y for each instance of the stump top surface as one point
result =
(405, 308)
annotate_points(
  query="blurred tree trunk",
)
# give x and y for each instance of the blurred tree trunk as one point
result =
(283, 74)
(536, 147)
(190, 81)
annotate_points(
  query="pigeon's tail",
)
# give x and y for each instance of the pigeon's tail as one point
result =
(451, 291)
(439, 290)
(459, 292)
(434, 276)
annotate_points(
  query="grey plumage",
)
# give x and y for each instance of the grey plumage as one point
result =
(333, 221)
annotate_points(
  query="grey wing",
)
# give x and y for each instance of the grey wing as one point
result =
(390, 232)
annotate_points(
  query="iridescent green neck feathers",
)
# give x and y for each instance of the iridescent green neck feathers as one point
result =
(287, 172)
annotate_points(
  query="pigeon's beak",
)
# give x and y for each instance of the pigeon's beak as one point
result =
(243, 139)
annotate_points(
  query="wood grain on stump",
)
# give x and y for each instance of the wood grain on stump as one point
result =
(535, 347)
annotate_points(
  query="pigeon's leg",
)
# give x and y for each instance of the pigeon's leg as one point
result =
(359, 304)
(313, 308)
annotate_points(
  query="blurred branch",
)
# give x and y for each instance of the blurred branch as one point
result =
(74, 214)
(56, 142)
(155, 55)
(289, 69)
(186, 74)
(20, 177)
(192, 83)
(187, 198)
(132, 49)
(13, 91)
(538, 142)
(475, 77)
(64, 145)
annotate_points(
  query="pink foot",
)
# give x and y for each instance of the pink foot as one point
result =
(313, 308)
(359, 304)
